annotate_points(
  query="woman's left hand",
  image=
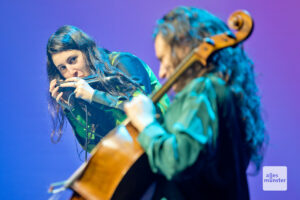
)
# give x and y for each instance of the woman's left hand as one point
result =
(82, 89)
(140, 111)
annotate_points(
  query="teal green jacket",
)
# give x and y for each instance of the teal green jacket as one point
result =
(107, 110)
(199, 150)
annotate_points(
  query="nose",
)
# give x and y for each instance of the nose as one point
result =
(162, 71)
(73, 72)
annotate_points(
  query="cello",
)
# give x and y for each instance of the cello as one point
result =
(118, 167)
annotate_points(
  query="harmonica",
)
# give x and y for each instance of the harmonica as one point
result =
(91, 80)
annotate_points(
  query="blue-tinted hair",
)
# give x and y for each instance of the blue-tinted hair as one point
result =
(189, 26)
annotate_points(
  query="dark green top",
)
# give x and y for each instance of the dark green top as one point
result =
(198, 148)
(107, 110)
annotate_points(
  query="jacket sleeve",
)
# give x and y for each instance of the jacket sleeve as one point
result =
(138, 71)
(187, 130)
(133, 68)
(101, 99)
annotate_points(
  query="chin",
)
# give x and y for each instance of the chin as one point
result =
(178, 87)
(175, 88)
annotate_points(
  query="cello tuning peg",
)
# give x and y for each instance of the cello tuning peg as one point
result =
(230, 34)
(209, 41)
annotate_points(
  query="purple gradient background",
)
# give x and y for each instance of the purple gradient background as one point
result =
(30, 162)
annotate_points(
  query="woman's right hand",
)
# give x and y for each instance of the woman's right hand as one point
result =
(53, 89)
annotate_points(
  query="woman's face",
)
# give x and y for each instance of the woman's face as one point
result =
(163, 53)
(71, 63)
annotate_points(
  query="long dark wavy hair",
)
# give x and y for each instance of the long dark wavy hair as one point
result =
(111, 79)
(189, 26)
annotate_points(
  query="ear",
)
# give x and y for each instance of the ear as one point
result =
(182, 51)
(186, 50)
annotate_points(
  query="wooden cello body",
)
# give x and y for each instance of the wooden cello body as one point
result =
(118, 167)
